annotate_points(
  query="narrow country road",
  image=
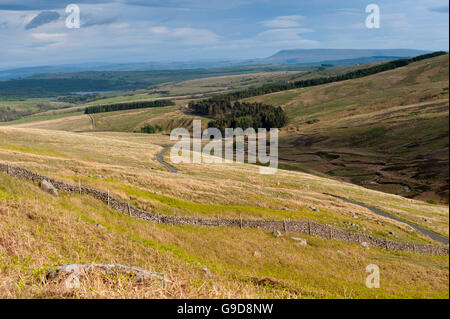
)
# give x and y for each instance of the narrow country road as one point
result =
(424, 231)
(160, 158)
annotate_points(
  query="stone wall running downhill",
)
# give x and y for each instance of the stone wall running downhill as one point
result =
(301, 227)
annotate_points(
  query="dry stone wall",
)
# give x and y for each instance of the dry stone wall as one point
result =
(302, 227)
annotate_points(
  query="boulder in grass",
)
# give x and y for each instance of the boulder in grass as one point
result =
(46, 186)
(138, 274)
(301, 241)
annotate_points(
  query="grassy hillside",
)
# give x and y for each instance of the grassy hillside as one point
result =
(388, 131)
(15, 109)
(40, 230)
(181, 91)
(56, 84)
(206, 82)
(221, 84)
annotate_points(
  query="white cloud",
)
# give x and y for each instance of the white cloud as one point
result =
(185, 36)
(48, 36)
(284, 22)
(348, 12)
(283, 34)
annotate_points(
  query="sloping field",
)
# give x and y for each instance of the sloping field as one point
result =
(40, 230)
(178, 91)
(388, 131)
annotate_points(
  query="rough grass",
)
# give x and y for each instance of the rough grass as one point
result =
(40, 231)
(389, 119)
(126, 165)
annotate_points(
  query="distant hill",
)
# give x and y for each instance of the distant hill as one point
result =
(317, 55)
(337, 57)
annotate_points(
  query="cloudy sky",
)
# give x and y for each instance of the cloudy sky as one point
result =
(33, 32)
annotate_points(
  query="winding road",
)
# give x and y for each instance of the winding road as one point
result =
(424, 231)
(160, 158)
(429, 233)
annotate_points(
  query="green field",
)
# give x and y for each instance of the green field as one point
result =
(38, 118)
(16, 109)
(126, 98)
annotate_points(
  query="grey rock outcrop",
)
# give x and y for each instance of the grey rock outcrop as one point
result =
(46, 186)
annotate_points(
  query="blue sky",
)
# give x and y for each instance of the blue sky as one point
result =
(33, 32)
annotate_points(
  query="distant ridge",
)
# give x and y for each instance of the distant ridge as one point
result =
(337, 57)
(318, 55)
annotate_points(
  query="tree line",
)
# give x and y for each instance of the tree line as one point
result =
(271, 88)
(77, 98)
(150, 129)
(259, 115)
(240, 114)
(127, 106)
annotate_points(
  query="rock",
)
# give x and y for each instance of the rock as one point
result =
(355, 216)
(207, 271)
(284, 208)
(301, 241)
(46, 186)
(313, 208)
(365, 245)
(277, 233)
(257, 254)
(138, 274)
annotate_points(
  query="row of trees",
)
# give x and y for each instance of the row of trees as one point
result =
(258, 115)
(243, 115)
(150, 129)
(271, 88)
(127, 106)
(78, 98)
